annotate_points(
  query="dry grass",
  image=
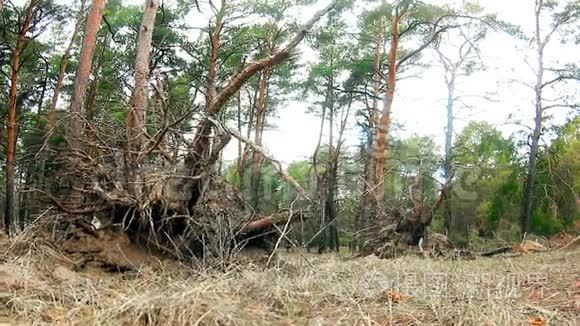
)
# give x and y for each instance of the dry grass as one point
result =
(41, 288)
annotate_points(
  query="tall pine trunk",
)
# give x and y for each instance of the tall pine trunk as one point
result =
(136, 115)
(75, 127)
(11, 123)
(385, 120)
(527, 198)
(447, 214)
(62, 70)
(138, 104)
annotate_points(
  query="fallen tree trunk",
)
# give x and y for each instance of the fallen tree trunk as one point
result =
(269, 221)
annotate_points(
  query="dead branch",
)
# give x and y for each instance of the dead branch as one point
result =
(282, 235)
(158, 137)
(276, 57)
(571, 243)
(259, 149)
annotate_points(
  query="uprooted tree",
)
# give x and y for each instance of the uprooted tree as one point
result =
(395, 23)
(152, 188)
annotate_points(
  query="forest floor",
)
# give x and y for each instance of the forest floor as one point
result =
(42, 285)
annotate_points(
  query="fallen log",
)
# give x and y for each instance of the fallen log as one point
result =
(269, 221)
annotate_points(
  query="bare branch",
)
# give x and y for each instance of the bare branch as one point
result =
(259, 149)
(276, 57)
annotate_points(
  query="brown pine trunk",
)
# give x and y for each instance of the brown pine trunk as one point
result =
(259, 130)
(11, 124)
(385, 120)
(202, 143)
(93, 23)
(138, 104)
(374, 116)
(92, 149)
(62, 71)
(136, 116)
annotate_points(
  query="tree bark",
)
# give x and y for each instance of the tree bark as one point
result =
(527, 198)
(11, 124)
(62, 70)
(201, 146)
(385, 119)
(135, 124)
(447, 214)
(75, 127)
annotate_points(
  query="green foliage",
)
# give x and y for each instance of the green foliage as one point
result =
(409, 158)
(487, 190)
(558, 182)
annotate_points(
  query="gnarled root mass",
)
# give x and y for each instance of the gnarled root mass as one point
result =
(217, 225)
(396, 233)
